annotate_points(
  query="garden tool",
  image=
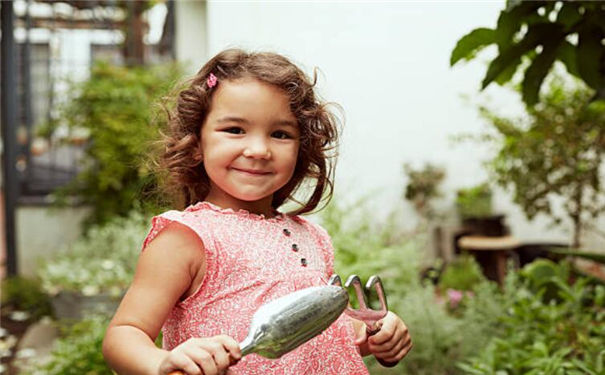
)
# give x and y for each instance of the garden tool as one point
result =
(366, 314)
(284, 324)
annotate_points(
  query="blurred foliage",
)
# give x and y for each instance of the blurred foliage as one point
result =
(423, 187)
(553, 325)
(77, 351)
(101, 261)
(542, 32)
(24, 294)
(474, 201)
(365, 247)
(463, 273)
(117, 107)
(555, 150)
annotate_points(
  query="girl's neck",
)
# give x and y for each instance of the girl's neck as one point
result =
(259, 207)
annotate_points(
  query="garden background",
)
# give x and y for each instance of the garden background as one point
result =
(427, 158)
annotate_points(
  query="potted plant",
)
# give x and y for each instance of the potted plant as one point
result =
(474, 205)
(94, 272)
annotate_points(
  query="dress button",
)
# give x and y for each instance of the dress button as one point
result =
(286, 232)
(303, 261)
(294, 247)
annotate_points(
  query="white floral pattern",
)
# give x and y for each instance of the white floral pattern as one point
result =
(250, 260)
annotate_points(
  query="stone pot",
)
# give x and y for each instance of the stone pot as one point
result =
(68, 305)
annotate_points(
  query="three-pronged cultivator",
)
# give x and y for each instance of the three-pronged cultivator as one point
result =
(365, 313)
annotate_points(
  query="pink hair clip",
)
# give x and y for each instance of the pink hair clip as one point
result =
(211, 80)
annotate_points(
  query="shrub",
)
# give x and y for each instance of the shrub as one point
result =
(474, 201)
(117, 108)
(102, 261)
(78, 351)
(25, 294)
(546, 336)
(463, 273)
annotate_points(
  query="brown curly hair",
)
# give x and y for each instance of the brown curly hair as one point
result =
(185, 175)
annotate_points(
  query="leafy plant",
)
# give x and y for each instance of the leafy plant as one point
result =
(556, 149)
(78, 351)
(115, 106)
(475, 201)
(423, 187)
(102, 261)
(542, 32)
(546, 336)
(25, 294)
(463, 273)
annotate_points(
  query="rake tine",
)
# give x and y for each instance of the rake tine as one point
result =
(335, 280)
(374, 281)
(361, 298)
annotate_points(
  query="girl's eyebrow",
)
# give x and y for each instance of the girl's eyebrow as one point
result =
(241, 120)
(290, 123)
(232, 119)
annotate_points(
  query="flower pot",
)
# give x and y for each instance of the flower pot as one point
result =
(491, 226)
(69, 305)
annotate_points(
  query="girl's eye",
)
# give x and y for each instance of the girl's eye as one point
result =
(281, 135)
(234, 130)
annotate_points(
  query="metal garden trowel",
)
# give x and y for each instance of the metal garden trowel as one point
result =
(284, 324)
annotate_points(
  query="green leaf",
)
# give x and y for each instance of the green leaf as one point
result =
(569, 14)
(595, 256)
(589, 54)
(535, 34)
(511, 19)
(567, 55)
(471, 43)
(534, 75)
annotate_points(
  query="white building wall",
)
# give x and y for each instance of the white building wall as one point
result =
(191, 43)
(387, 64)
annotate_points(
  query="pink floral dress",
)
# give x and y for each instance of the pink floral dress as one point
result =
(252, 260)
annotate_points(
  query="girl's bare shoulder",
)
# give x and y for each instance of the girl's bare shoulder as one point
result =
(176, 243)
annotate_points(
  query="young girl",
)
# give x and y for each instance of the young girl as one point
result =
(245, 135)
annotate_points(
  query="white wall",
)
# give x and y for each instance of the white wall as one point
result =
(191, 45)
(387, 64)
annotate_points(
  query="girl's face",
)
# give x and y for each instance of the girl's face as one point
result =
(250, 142)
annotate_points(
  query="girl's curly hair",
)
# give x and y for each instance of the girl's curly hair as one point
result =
(186, 178)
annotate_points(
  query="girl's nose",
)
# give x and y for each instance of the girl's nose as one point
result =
(257, 150)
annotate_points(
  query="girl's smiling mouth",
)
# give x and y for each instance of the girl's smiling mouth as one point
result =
(251, 172)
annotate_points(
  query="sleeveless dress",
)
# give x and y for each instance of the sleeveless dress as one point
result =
(252, 260)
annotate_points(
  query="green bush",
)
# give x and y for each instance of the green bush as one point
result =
(117, 108)
(23, 294)
(474, 201)
(78, 351)
(102, 261)
(546, 336)
(463, 273)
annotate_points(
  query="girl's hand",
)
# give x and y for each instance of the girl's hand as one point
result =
(392, 342)
(208, 356)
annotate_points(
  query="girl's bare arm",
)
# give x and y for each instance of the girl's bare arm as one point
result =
(165, 273)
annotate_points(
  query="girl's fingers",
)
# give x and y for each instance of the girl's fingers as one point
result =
(406, 349)
(231, 346)
(384, 335)
(380, 344)
(206, 362)
(393, 353)
(186, 364)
